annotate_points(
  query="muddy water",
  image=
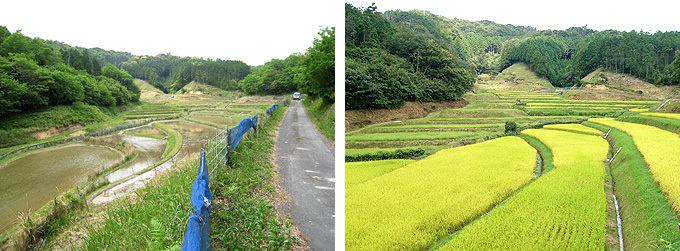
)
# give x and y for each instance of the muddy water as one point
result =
(37, 178)
(193, 135)
(150, 151)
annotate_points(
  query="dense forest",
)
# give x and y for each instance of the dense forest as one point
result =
(35, 73)
(390, 60)
(401, 55)
(170, 73)
(312, 73)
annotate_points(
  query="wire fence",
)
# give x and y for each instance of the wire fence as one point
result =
(214, 155)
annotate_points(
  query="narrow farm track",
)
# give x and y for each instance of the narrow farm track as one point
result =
(306, 164)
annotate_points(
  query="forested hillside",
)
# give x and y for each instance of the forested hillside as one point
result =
(389, 61)
(417, 55)
(35, 73)
(170, 73)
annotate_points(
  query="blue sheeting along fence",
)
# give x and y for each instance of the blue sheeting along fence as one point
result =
(197, 236)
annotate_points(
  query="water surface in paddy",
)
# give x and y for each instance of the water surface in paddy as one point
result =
(38, 177)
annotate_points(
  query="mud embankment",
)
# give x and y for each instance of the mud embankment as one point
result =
(355, 119)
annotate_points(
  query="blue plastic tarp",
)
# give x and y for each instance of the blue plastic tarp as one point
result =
(197, 236)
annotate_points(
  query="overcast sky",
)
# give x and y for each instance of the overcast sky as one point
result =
(251, 31)
(649, 15)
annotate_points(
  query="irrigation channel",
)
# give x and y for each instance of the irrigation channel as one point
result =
(31, 181)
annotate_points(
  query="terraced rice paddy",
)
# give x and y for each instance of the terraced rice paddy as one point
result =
(399, 207)
(661, 151)
(416, 205)
(154, 111)
(565, 209)
(485, 117)
(662, 115)
(574, 128)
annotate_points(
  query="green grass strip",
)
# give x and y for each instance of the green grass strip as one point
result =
(244, 217)
(408, 136)
(174, 141)
(660, 150)
(649, 222)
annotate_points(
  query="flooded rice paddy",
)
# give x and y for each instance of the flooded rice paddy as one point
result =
(35, 179)
(38, 177)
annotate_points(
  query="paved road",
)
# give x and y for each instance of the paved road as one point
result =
(307, 166)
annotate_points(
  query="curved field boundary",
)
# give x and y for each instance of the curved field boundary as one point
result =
(360, 172)
(412, 207)
(646, 215)
(675, 116)
(639, 110)
(407, 136)
(565, 209)
(661, 150)
(574, 128)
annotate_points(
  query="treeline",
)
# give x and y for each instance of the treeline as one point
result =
(35, 73)
(561, 56)
(565, 58)
(400, 57)
(651, 57)
(274, 77)
(312, 73)
(170, 73)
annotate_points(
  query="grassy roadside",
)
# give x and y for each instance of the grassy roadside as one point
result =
(649, 223)
(323, 115)
(244, 217)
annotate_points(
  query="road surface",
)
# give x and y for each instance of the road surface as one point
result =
(307, 167)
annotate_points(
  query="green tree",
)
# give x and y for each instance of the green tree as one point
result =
(676, 68)
(319, 67)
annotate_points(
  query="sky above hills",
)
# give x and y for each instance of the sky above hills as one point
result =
(251, 31)
(648, 16)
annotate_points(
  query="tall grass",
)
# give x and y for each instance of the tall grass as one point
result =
(323, 115)
(245, 217)
(155, 220)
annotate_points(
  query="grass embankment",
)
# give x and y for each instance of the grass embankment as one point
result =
(564, 209)
(22, 129)
(649, 222)
(174, 141)
(368, 154)
(667, 124)
(323, 115)
(243, 217)
(520, 72)
(660, 150)
(412, 207)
